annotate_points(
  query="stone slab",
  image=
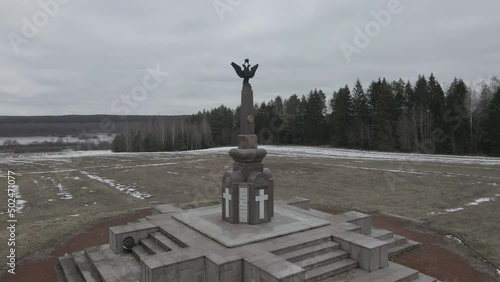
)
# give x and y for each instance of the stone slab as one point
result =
(69, 269)
(209, 223)
(165, 208)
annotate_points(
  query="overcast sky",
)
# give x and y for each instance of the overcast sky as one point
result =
(87, 55)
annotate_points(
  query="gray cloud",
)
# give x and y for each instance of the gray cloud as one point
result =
(92, 52)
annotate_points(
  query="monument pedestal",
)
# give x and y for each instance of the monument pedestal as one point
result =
(198, 246)
(248, 201)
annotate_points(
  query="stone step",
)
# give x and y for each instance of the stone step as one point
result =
(84, 267)
(381, 234)
(396, 240)
(322, 259)
(138, 252)
(69, 270)
(150, 245)
(109, 266)
(164, 241)
(132, 264)
(392, 273)
(425, 278)
(398, 249)
(331, 269)
(300, 241)
(310, 251)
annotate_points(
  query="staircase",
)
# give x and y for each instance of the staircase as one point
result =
(92, 264)
(346, 252)
(397, 244)
(321, 258)
(392, 273)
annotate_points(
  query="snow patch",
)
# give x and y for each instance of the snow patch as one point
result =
(454, 210)
(478, 201)
(20, 203)
(455, 239)
(63, 192)
(74, 178)
(129, 190)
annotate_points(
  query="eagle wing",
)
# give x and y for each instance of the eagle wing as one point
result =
(238, 70)
(253, 70)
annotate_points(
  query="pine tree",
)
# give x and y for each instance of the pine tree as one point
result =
(398, 89)
(422, 111)
(291, 110)
(341, 118)
(437, 106)
(361, 116)
(408, 126)
(278, 121)
(384, 118)
(301, 120)
(118, 144)
(456, 117)
(315, 122)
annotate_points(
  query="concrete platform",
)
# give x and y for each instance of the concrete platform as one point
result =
(197, 245)
(285, 221)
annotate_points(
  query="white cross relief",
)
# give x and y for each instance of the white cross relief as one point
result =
(227, 197)
(261, 199)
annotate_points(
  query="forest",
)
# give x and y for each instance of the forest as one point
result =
(393, 116)
(60, 126)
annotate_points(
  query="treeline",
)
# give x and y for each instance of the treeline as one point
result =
(18, 126)
(165, 134)
(388, 116)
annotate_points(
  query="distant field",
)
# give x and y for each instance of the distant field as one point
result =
(61, 193)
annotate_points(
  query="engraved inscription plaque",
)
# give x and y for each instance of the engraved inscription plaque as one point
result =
(243, 211)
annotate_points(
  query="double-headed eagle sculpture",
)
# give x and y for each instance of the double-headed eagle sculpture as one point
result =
(247, 72)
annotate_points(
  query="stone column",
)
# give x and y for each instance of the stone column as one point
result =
(247, 138)
(248, 190)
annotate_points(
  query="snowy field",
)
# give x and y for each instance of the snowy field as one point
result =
(279, 151)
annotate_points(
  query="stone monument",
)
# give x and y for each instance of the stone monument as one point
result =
(247, 190)
(244, 245)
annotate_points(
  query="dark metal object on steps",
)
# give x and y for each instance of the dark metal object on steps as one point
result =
(128, 243)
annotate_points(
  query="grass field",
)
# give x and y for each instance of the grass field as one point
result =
(62, 193)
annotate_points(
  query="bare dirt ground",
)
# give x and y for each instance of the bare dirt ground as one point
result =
(66, 193)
